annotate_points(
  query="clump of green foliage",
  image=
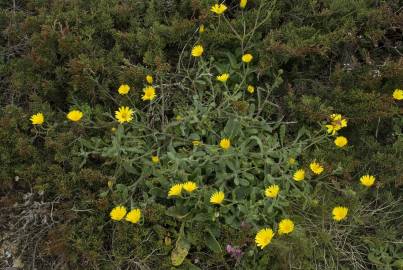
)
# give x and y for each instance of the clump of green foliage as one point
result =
(311, 59)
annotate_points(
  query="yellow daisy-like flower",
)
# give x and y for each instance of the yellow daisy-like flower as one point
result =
(243, 3)
(118, 212)
(339, 213)
(223, 77)
(197, 51)
(367, 180)
(155, 159)
(225, 143)
(316, 168)
(217, 197)
(75, 115)
(189, 186)
(124, 89)
(124, 114)
(246, 58)
(149, 93)
(340, 141)
(250, 89)
(398, 94)
(299, 175)
(202, 29)
(272, 191)
(149, 79)
(196, 143)
(133, 216)
(285, 226)
(218, 9)
(37, 119)
(337, 122)
(175, 190)
(263, 237)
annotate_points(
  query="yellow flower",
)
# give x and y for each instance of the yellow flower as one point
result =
(133, 216)
(189, 186)
(219, 8)
(398, 94)
(250, 89)
(337, 122)
(74, 115)
(149, 79)
(124, 114)
(155, 159)
(339, 213)
(118, 212)
(37, 119)
(367, 180)
(285, 226)
(197, 51)
(201, 29)
(175, 190)
(223, 77)
(149, 93)
(178, 118)
(340, 141)
(316, 168)
(272, 191)
(243, 3)
(225, 143)
(110, 184)
(263, 237)
(196, 143)
(113, 129)
(217, 197)
(246, 58)
(291, 161)
(299, 175)
(124, 89)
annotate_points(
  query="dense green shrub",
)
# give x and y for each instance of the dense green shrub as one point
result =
(332, 56)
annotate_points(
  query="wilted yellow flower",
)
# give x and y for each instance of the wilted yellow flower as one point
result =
(133, 216)
(149, 79)
(124, 89)
(316, 168)
(202, 28)
(110, 184)
(124, 114)
(118, 212)
(217, 197)
(149, 93)
(339, 213)
(175, 190)
(74, 115)
(337, 122)
(340, 141)
(37, 119)
(179, 118)
(225, 143)
(197, 51)
(246, 58)
(367, 180)
(196, 143)
(243, 3)
(285, 226)
(155, 159)
(272, 191)
(189, 186)
(218, 8)
(113, 129)
(291, 161)
(299, 175)
(223, 77)
(250, 89)
(398, 94)
(263, 237)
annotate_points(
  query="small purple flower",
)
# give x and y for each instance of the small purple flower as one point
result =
(234, 252)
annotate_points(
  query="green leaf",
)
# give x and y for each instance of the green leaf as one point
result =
(212, 243)
(180, 252)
